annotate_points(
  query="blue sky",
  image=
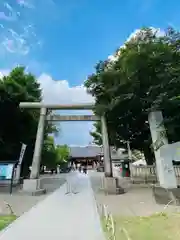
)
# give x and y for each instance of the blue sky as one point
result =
(61, 41)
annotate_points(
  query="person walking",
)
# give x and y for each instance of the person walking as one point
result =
(79, 167)
(85, 168)
(73, 167)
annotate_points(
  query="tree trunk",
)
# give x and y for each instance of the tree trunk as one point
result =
(149, 154)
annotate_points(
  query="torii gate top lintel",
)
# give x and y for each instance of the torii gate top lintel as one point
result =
(80, 106)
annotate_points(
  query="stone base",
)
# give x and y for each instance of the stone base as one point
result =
(33, 187)
(166, 196)
(111, 186)
(100, 169)
(124, 183)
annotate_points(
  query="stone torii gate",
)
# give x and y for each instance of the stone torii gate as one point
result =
(33, 184)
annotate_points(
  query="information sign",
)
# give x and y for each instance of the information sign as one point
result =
(6, 171)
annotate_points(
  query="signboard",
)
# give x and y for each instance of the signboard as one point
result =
(23, 149)
(73, 118)
(6, 171)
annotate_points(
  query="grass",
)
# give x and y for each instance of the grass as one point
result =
(6, 220)
(160, 226)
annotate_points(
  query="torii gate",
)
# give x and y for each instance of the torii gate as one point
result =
(34, 177)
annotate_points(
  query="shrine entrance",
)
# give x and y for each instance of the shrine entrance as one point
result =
(44, 116)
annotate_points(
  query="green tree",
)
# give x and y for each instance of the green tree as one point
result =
(54, 155)
(19, 125)
(63, 153)
(144, 77)
(96, 134)
(49, 153)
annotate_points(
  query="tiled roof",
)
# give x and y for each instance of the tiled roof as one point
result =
(88, 151)
(93, 151)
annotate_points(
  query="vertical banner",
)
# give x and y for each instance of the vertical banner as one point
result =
(23, 149)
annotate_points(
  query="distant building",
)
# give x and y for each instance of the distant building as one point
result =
(95, 153)
(88, 153)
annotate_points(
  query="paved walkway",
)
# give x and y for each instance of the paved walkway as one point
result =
(60, 216)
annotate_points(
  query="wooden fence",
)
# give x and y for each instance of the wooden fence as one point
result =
(147, 173)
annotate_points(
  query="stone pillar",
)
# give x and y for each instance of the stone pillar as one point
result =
(159, 139)
(38, 145)
(106, 149)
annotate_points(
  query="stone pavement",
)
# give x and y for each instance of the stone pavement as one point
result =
(60, 216)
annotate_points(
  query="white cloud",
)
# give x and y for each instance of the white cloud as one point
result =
(17, 45)
(3, 16)
(8, 14)
(61, 92)
(4, 72)
(112, 58)
(139, 32)
(24, 3)
(17, 37)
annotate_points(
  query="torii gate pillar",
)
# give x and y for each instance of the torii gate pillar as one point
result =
(33, 184)
(106, 149)
(38, 145)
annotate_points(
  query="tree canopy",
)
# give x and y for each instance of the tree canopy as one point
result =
(17, 125)
(53, 154)
(144, 76)
(63, 153)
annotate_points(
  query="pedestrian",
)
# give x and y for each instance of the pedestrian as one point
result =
(73, 167)
(85, 168)
(80, 168)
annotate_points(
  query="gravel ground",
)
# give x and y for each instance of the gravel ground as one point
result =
(137, 201)
(21, 202)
